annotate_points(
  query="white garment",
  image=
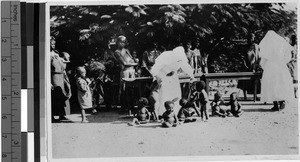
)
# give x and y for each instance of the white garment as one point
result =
(276, 83)
(167, 62)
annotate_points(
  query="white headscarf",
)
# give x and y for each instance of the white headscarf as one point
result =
(170, 61)
(273, 47)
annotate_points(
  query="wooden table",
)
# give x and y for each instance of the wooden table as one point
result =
(210, 77)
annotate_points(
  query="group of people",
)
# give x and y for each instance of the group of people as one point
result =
(197, 104)
(165, 93)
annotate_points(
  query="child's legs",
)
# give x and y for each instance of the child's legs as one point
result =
(166, 124)
(190, 119)
(222, 111)
(135, 121)
(229, 113)
(240, 112)
(197, 111)
(153, 99)
(83, 116)
(206, 106)
(202, 110)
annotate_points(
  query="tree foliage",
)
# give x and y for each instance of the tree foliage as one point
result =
(221, 29)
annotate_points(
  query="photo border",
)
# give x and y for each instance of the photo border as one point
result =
(45, 65)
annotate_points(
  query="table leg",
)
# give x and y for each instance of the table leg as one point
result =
(255, 90)
(207, 86)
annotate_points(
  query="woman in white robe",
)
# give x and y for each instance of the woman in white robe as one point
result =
(276, 83)
(165, 72)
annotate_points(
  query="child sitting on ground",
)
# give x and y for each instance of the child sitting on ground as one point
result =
(235, 106)
(169, 117)
(200, 99)
(187, 111)
(215, 105)
(142, 116)
(84, 93)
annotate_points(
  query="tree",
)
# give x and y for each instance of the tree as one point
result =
(221, 29)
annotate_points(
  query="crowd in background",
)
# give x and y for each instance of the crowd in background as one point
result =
(103, 82)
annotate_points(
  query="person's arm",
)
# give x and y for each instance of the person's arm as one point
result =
(176, 119)
(148, 114)
(193, 105)
(206, 100)
(239, 106)
(226, 103)
(119, 58)
(82, 85)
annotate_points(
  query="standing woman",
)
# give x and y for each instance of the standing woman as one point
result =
(276, 83)
(127, 63)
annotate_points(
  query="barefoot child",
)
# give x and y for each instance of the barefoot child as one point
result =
(187, 111)
(200, 99)
(215, 105)
(169, 117)
(235, 106)
(83, 92)
(143, 115)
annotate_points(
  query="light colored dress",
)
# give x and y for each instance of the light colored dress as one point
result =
(167, 62)
(276, 83)
(84, 93)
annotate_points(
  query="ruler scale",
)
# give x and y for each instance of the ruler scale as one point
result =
(11, 80)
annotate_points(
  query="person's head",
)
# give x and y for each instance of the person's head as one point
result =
(134, 54)
(217, 95)
(183, 102)
(293, 40)
(52, 43)
(81, 71)
(143, 102)
(251, 38)
(121, 41)
(169, 105)
(66, 57)
(188, 45)
(233, 96)
(200, 85)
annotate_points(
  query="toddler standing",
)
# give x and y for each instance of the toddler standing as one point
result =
(200, 99)
(83, 92)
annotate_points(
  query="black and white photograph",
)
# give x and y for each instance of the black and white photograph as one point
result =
(188, 80)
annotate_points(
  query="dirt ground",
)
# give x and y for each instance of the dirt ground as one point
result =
(258, 131)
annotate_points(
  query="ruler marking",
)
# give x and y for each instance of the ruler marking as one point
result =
(11, 37)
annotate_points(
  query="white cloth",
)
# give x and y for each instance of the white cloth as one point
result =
(276, 83)
(167, 62)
